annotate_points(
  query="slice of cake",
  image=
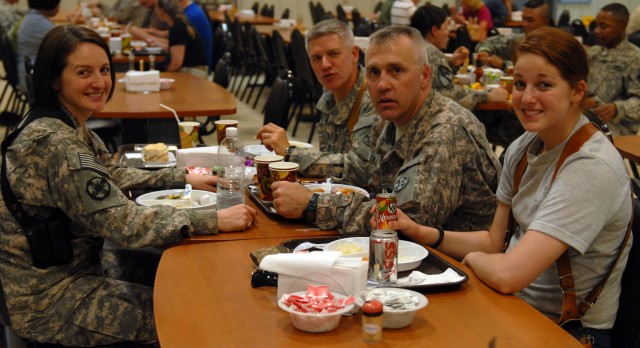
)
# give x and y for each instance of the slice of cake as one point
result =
(155, 153)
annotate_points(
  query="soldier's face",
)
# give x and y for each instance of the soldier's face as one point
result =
(398, 84)
(441, 35)
(334, 63)
(85, 81)
(542, 99)
(609, 31)
(534, 18)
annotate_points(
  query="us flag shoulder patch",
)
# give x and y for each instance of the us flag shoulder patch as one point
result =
(87, 161)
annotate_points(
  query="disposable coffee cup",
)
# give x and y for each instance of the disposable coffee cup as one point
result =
(188, 134)
(264, 175)
(221, 128)
(284, 171)
(126, 41)
(507, 83)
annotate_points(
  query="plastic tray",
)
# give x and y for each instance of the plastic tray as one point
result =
(432, 264)
(265, 206)
(130, 155)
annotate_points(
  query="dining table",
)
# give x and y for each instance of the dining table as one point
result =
(203, 298)
(189, 96)
(629, 148)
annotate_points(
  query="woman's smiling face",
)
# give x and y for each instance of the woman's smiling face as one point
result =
(85, 82)
(542, 99)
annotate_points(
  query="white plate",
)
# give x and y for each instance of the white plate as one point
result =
(335, 188)
(491, 87)
(199, 199)
(300, 144)
(410, 254)
(131, 158)
(252, 151)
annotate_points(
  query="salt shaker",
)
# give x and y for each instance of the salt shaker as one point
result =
(372, 321)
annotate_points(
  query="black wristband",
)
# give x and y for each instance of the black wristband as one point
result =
(288, 152)
(440, 237)
(310, 211)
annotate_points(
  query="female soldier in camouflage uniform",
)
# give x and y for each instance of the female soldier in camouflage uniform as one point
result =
(63, 178)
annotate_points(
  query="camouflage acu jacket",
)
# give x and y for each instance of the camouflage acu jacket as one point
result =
(502, 46)
(614, 76)
(442, 81)
(51, 165)
(442, 170)
(342, 158)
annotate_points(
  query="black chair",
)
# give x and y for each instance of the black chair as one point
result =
(285, 14)
(579, 29)
(377, 7)
(28, 79)
(356, 19)
(256, 7)
(341, 15)
(493, 32)
(282, 56)
(278, 103)
(634, 38)
(626, 329)
(308, 88)
(264, 66)
(314, 13)
(222, 77)
(563, 20)
(13, 97)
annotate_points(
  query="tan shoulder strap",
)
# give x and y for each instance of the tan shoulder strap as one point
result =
(354, 115)
(570, 309)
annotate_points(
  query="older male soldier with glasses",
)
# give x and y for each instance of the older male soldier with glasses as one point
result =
(344, 128)
(614, 77)
(427, 149)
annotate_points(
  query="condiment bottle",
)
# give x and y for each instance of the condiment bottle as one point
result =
(478, 72)
(372, 321)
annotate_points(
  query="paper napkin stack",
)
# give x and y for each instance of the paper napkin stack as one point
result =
(143, 81)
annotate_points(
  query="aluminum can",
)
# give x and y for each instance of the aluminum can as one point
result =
(386, 209)
(383, 257)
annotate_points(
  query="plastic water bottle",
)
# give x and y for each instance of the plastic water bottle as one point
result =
(231, 178)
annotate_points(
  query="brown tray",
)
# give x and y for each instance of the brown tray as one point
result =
(432, 264)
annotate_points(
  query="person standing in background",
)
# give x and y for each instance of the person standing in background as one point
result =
(9, 15)
(35, 25)
(614, 79)
(500, 11)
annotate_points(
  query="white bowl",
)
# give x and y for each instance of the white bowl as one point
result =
(315, 322)
(199, 199)
(166, 83)
(251, 151)
(300, 144)
(410, 254)
(154, 50)
(393, 318)
(337, 188)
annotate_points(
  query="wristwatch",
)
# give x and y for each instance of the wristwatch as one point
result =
(288, 152)
(311, 209)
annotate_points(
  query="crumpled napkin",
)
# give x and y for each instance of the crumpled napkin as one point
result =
(419, 278)
(318, 267)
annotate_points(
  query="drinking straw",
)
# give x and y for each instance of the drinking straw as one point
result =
(174, 112)
(126, 29)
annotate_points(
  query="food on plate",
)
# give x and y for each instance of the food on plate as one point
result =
(337, 190)
(199, 170)
(155, 153)
(350, 248)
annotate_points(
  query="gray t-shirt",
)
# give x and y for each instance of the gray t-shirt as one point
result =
(588, 207)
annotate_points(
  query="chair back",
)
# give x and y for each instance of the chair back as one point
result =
(8, 57)
(222, 71)
(342, 16)
(303, 70)
(377, 7)
(356, 18)
(626, 330)
(579, 29)
(28, 78)
(285, 14)
(276, 109)
(256, 7)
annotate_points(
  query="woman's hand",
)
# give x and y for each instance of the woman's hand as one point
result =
(202, 182)
(459, 56)
(236, 218)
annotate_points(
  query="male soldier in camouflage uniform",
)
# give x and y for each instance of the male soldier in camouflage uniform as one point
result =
(428, 150)
(496, 51)
(9, 15)
(344, 152)
(433, 24)
(614, 74)
(56, 165)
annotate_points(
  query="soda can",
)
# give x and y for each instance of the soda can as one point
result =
(386, 209)
(383, 257)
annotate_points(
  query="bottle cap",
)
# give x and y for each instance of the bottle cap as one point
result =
(231, 131)
(372, 308)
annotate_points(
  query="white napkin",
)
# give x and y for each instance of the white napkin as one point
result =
(206, 156)
(316, 267)
(143, 81)
(419, 278)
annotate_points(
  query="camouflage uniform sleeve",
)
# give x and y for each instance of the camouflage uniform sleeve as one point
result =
(629, 106)
(349, 214)
(351, 167)
(502, 46)
(84, 190)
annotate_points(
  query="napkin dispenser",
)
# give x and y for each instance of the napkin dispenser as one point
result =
(296, 270)
(143, 81)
